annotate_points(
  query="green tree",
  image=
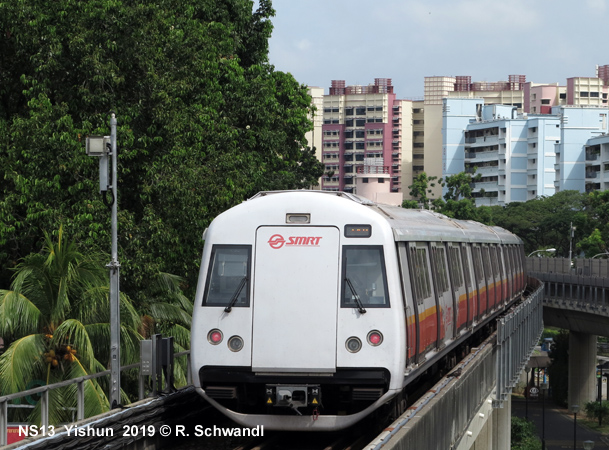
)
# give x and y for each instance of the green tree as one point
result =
(593, 244)
(55, 324)
(204, 122)
(545, 222)
(459, 186)
(421, 192)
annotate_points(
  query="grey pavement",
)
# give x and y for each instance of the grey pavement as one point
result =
(558, 425)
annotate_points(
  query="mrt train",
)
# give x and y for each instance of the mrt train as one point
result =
(314, 309)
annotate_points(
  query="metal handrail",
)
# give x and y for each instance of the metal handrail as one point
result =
(44, 399)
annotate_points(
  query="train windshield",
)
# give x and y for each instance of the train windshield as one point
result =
(228, 276)
(364, 276)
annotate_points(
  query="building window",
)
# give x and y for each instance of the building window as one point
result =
(594, 94)
(583, 94)
(349, 122)
(381, 180)
(563, 96)
(360, 133)
(360, 122)
(359, 145)
(360, 111)
(545, 101)
(364, 180)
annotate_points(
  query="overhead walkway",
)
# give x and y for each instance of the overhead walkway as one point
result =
(576, 299)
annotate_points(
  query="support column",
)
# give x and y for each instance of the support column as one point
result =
(582, 368)
(502, 426)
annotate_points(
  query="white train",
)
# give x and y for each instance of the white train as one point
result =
(313, 309)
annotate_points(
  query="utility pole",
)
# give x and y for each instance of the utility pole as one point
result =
(114, 266)
(104, 147)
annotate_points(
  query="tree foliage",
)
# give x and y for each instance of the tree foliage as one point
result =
(524, 435)
(55, 322)
(204, 122)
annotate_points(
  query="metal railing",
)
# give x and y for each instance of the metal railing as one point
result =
(518, 332)
(80, 394)
(591, 267)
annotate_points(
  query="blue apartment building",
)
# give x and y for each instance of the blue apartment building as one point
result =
(522, 157)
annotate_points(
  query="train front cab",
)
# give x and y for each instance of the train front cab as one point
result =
(310, 308)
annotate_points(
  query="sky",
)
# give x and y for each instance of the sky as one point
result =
(318, 41)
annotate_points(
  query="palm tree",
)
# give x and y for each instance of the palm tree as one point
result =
(55, 325)
(167, 311)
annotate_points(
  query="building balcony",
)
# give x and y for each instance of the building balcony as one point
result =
(592, 175)
(373, 170)
(487, 171)
(482, 156)
(488, 186)
(484, 141)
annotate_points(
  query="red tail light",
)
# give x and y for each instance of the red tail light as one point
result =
(214, 336)
(375, 338)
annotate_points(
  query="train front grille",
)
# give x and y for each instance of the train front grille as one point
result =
(366, 394)
(221, 392)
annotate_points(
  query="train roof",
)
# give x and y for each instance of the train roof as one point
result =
(421, 224)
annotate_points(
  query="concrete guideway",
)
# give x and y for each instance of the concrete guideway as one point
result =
(471, 406)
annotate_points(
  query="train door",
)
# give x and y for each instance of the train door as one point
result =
(480, 280)
(507, 265)
(444, 296)
(420, 279)
(457, 283)
(410, 305)
(295, 299)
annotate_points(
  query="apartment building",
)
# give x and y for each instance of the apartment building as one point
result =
(579, 125)
(596, 153)
(430, 149)
(521, 157)
(362, 127)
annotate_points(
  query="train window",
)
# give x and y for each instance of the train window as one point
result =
(420, 274)
(486, 262)
(454, 266)
(440, 266)
(495, 261)
(466, 270)
(228, 277)
(364, 277)
(477, 265)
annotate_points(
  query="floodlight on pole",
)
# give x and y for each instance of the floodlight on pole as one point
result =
(104, 147)
(548, 250)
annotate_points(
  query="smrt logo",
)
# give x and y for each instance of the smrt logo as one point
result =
(277, 241)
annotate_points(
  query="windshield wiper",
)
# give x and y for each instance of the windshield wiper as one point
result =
(360, 306)
(233, 300)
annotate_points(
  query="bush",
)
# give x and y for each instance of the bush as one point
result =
(524, 435)
(596, 410)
